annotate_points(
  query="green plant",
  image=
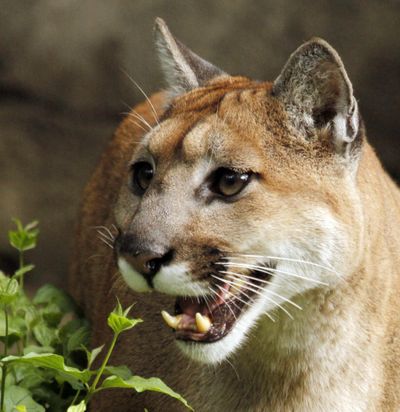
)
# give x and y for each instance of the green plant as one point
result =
(45, 363)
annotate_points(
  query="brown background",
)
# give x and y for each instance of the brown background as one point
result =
(63, 90)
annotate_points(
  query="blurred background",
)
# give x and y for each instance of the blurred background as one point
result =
(63, 89)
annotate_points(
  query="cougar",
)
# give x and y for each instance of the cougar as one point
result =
(263, 224)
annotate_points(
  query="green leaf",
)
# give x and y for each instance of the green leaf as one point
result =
(121, 371)
(24, 238)
(71, 327)
(91, 356)
(140, 384)
(28, 376)
(51, 314)
(17, 398)
(78, 408)
(48, 394)
(31, 226)
(45, 336)
(31, 316)
(22, 271)
(15, 328)
(78, 339)
(38, 349)
(118, 320)
(8, 291)
(50, 361)
(48, 294)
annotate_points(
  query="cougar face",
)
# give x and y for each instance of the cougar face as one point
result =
(241, 198)
(212, 214)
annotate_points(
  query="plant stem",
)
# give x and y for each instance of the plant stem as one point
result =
(4, 367)
(21, 265)
(102, 367)
(75, 397)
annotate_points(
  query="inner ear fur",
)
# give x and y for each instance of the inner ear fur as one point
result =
(183, 69)
(317, 93)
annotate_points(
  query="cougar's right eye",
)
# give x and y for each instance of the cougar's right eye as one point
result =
(142, 173)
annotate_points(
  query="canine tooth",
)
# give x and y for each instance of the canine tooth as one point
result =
(171, 321)
(203, 323)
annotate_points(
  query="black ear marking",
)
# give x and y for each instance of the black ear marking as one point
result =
(184, 70)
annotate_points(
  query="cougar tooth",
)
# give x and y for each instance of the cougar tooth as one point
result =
(171, 321)
(203, 323)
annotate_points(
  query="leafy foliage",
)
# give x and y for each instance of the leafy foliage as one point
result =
(45, 364)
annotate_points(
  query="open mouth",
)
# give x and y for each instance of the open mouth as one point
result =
(210, 318)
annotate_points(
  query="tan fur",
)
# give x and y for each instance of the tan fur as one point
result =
(341, 353)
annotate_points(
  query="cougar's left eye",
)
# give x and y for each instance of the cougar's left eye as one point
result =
(228, 182)
(142, 173)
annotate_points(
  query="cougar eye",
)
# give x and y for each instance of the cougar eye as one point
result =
(142, 173)
(228, 182)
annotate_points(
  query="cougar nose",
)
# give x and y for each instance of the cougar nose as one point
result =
(145, 261)
(148, 263)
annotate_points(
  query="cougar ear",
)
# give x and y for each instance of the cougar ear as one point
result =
(183, 69)
(317, 93)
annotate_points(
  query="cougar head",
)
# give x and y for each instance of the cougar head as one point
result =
(243, 196)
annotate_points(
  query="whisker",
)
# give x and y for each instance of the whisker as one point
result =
(140, 118)
(105, 237)
(234, 285)
(104, 241)
(226, 303)
(104, 228)
(266, 270)
(288, 260)
(232, 294)
(248, 303)
(246, 286)
(145, 95)
(140, 127)
(207, 298)
(240, 276)
(234, 369)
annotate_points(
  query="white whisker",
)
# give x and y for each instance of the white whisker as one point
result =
(140, 118)
(265, 269)
(226, 303)
(241, 276)
(139, 126)
(145, 95)
(207, 298)
(104, 241)
(105, 236)
(239, 287)
(235, 286)
(330, 269)
(105, 228)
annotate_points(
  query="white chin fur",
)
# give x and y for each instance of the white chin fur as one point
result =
(132, 278)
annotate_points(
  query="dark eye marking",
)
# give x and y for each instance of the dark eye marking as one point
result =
(228, 182)
(141, 175)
